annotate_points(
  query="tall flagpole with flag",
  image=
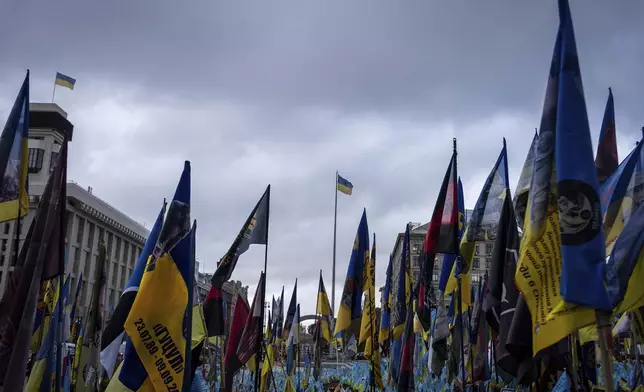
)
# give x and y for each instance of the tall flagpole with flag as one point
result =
(62, 80)
(346, 187)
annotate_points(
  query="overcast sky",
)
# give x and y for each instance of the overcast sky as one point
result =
(287, 92)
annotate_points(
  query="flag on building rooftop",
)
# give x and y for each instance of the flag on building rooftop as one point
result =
(65, 81)
(14, 201)
(158, 317)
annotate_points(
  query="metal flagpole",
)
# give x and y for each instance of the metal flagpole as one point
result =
(460, 311)
(335, 222)
(53, 94)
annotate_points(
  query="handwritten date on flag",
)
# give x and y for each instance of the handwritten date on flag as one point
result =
(169, 363)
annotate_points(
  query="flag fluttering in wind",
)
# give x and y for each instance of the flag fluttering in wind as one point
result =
(523, 186)
(290, 312)
(324, 312)
(157, 318)
(406, 366)
(293, 340)
(14, 201)
(254, 231)
(607, 160)
(250, 339)
(402, 298)
(65, 81)
(41, 258)
(368, 326)
(231, 362)
(487, 210)
(344, 185)
(447, 275)
(383, 337)
(88, 359)
(114, 331)
(442, 237)
(351, 300)
(562, 253)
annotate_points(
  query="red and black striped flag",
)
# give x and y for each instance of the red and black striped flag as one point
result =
(442, 237)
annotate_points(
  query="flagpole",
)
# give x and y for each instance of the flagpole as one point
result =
(335, 223)
(53, 94)
(605, 340)
(263, 288)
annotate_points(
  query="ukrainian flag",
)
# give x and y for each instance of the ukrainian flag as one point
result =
(14, 200)
(344, 186)
(324, 310)
(157, 319)
(65, 81)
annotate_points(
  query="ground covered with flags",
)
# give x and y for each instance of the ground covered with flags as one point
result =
(563, 286)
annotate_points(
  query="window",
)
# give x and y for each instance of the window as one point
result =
(123, 277)
(53, 161)
(88, 262)
(110, 237)
(414, 260)
(80, 232)
(90, 236)
(101, 235)
(475, 278)
(35, 159)
(435, 277)
(76, 260)
(69, 217)
(488, 249)
(83, 293)
(117, 254)
(6, 228)
(114, 270)
(111, 297)
(415, 247)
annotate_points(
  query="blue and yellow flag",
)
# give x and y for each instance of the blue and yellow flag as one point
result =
(351, 300)
(562, 253)
(42, 377)
(293, 339)
(290, 312)
(14, 200)
(383, 337)
(582, 237)
(65, 81)
(523, 185)
(344, 186)
(157, 318)
(607, 160)
(487, 211)
(323, 309)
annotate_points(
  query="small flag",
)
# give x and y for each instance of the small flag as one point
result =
(383, 337)
(447, 268)
(293, 339)
(523, 186)
(606, 160)
(324, 311)
(250, 337)
(65, 81)
(290, 312)
(351, 300)
(344, 186)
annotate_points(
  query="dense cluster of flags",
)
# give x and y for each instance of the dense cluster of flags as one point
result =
(567, 264)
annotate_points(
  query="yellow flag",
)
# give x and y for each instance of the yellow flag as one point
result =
(269, 364)
(155, 323)
(538, 276)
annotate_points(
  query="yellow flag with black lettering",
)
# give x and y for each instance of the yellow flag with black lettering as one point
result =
(157, 322)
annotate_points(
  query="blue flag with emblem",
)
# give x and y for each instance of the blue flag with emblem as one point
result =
(450, 258)
(580, 222)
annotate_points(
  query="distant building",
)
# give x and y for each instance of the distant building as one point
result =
(417, 233)
(89, 218)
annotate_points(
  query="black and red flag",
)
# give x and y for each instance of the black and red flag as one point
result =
(406, 377)
(442, 237)
(231, 362)
(250, 337)
(254, 231)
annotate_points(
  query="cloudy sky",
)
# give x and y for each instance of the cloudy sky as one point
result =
(287, 92)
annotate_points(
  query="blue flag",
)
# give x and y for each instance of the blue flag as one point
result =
(580, 221)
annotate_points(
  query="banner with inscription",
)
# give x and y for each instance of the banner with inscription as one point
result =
(157, 322)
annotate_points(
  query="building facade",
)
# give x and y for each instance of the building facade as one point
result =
(89, 218)
(417, 233)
